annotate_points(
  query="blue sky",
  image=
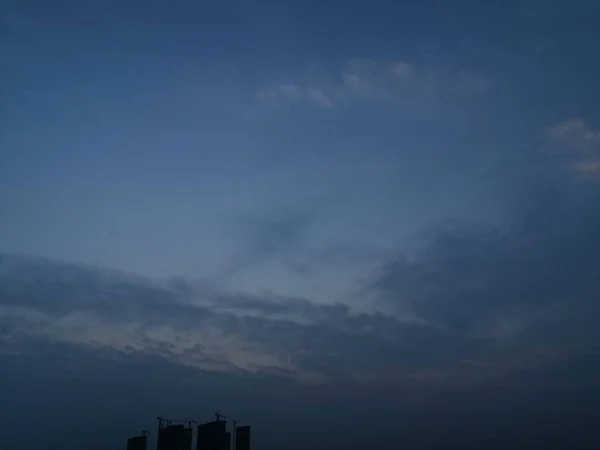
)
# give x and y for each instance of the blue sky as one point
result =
(300, 200)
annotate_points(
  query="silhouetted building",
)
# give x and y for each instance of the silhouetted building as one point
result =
(137, 443)
(213, 436)
(227, 444)
(174, 437)
(242, 438)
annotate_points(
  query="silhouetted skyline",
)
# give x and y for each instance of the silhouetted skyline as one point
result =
(222, 433)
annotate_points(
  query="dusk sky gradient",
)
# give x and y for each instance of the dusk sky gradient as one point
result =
(351, 225)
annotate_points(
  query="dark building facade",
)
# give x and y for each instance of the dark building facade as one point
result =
(174, 437)
(242, 438)
(137, 443)
(213, 436)
(227, 443)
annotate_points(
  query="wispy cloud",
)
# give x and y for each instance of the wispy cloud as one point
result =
(578, 141)
(319, 98)
(394, 82)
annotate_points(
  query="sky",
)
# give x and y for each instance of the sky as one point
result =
(346, 224)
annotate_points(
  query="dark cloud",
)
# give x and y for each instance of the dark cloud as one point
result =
(272, 235)
(287, 237)
(475, 301)
(207, 327)
(531, 284)
(268, 237)
(504, 317)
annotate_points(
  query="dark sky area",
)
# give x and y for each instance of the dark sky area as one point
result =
(351, 225)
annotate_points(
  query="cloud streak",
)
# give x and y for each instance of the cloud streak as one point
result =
(397, 83)
(579, 143)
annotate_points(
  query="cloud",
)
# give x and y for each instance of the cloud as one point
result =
(529, 286)
(128, 389)
(579, 142)
(269, 237)
(476, 304)
(403, 70)
(318, 97)
(574, 135)
(197, 325)
(292, 93)
(393, 82)
(283, 93)
(286, 251)
(588, 167)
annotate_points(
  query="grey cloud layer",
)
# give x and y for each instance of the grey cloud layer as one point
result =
(201, 326)
(474, 301)
(531, 286)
